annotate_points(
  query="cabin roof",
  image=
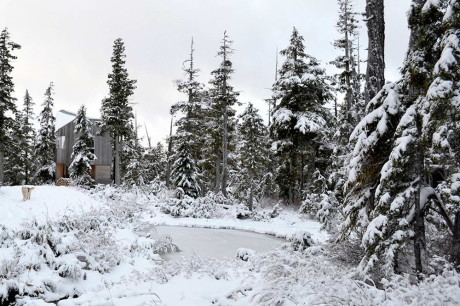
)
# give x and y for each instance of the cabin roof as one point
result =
(64, 117)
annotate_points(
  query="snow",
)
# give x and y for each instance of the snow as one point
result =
(62, 118)
(218, 243)
(46, 202)
(429, 4)
(107, 224)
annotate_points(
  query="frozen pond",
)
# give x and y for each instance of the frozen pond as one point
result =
(218, 243)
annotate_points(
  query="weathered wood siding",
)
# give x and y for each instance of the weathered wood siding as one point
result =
(102, 146)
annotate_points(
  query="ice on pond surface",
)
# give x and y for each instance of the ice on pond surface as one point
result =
(218, 243)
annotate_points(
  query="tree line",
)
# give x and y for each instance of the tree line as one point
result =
(380, 169)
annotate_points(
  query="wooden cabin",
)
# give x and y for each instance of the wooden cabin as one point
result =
(65, 139)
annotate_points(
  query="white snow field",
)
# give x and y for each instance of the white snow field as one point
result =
(45, 202)
(69, 246)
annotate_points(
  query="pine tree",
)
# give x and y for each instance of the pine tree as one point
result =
(7, 101)
(29, 133)
(441, 129)
(14, 157)
(221, 116)
(116, 112)
(80, 167)
(189, 127)
(184, 172)
(301, 122)
(45, 146)
(348, 79)
(252, 155)
(387, 183)
(155, 163)
(348, 82)
(133, 160)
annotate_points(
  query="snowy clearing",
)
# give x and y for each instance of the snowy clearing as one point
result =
(102, 247)
(45, 202)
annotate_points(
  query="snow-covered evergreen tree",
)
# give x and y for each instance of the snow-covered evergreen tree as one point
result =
(133, 160)
(45, 147)
(348, 79)
(301, 122)
(155, 163)
(14, 157)
(184, 172)
(30, 135)
(405, 138)
(221, 123)
(253, 153)
(441, 128)
(191, 123)
(80, 167)
(7, 101)
(189, 129)
(116, 113)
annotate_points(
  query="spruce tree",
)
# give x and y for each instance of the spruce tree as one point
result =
(301, 122)
(7, 101)
(189, 127)
(45, 146)
(221, 114)
(253, 155)
(80, 167)
(14, 157)
(133, 160)
(348, 79)
(184, 172)
(29, 133)
(409, 135)
(155, 163)
(116, 113)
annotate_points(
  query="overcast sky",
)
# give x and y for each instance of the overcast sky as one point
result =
(70, 43)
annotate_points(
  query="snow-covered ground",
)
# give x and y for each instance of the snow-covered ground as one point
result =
(45, 202)
(68, 246)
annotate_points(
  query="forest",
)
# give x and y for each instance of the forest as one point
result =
(375, 163)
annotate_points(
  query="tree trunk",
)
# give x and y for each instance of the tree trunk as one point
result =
(349, 94)
(251, 192)
(225, 154)
(168, 155)
(419, 222)
(218, 178)
(375, 73)
(117, 161)
(2, 171)
(456, 236)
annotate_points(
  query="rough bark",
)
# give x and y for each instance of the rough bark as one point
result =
(419, 221)
(2, 171)
(225, 127)
(375, 78)
(168, 156)
(117, 161)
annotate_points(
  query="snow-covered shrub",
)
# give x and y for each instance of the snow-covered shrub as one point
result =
(301, 240)
(327, 213)
(164, 245)
(244, 254)
(189, 207)
(310, 205)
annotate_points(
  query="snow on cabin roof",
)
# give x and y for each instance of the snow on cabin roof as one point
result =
(64, 117)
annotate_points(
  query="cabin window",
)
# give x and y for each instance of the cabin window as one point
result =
(60, 142)
(91, 145)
